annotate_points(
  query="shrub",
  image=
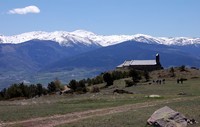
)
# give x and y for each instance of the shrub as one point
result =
(78, 87)
(129, 83)
(136, 76)
(171, 71)
(73, 85)
(107, 77)
(182, 68)
(146, 76)
(95, 89)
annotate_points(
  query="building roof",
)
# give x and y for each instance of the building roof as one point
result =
(137, 62)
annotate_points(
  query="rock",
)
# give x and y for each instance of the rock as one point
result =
(153, 96)
(166, 117)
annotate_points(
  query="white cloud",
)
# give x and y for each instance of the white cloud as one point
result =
(25, 10)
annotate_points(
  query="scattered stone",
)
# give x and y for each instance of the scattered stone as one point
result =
(182, 93)
(153, 96)
(191, 121)
(1, 123)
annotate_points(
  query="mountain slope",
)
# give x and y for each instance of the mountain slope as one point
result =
(35, 54)
(44, 56)
(111, 56)
(22, 61)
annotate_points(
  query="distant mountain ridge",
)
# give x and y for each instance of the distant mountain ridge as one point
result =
(88, 38)
(35, 54)
(111, 56)
(42, 56)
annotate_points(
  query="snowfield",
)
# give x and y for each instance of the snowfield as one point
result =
(88, 38)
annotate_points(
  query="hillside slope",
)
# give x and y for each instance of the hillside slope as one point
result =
(111, 56)
(35, 54)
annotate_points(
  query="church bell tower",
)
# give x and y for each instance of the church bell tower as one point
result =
(157, 59)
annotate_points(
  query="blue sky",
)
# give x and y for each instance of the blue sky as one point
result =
(170, 18)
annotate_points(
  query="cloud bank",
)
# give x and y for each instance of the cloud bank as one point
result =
(25, 10)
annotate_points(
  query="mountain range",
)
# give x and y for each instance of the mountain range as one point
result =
(41, 56)
(87, 38)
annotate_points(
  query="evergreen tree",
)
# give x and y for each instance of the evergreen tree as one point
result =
(32, 91)
(13, 91)
(135, 75)
(73, 85)
(89, 81)
(24, 89)
(81, 86)
(54, 86)
(51, 87)
(40, 89)
(107, 77)
(2, 94)
(146, 76)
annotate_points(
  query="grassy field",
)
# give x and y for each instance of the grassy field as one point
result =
(47, 106)
(62, 104)
(138, 118)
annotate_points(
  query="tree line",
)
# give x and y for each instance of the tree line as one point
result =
(22, 90)
(33, 90)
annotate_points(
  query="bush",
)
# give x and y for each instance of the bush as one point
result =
(118, 75)
(129, 83)
(172, 72)
(136, 76)
(107, 77)
(78, 86)
(3, 94)
(146, 76)
(73, 85)
(95, 89)
(182, 68)
(54, 86)
(22, 91)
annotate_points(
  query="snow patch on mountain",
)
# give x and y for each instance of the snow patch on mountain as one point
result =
(89, 38)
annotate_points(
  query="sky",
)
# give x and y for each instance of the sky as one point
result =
(159, 18)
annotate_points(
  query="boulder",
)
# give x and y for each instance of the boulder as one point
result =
(166, 117)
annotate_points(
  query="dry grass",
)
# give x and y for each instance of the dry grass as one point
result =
(53, 105)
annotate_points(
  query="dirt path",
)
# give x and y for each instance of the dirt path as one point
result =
(76, 116)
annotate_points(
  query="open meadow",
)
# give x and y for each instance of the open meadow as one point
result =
(105, 109)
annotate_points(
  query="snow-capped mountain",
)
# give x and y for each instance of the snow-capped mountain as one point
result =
(88, 38)
(62, 37)
(60, 52)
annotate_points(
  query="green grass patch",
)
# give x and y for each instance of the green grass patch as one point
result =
(52, 105)
(20, 110)
(138, 118)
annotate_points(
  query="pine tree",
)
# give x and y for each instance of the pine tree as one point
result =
(107, 77)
